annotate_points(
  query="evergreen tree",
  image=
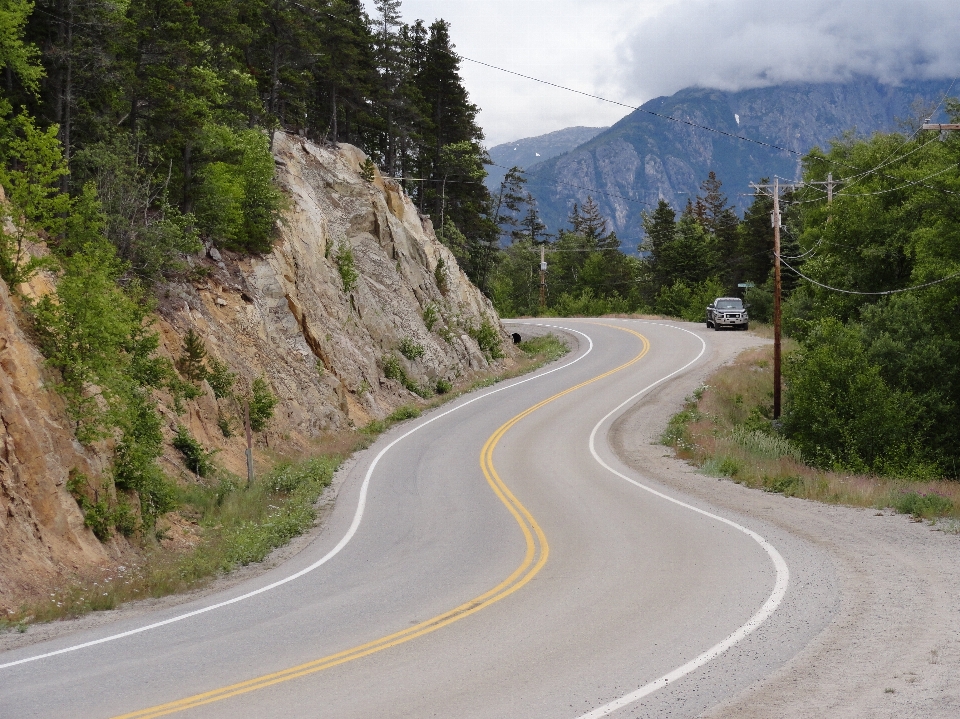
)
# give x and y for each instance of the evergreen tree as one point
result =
(660, 228)
(755, 240)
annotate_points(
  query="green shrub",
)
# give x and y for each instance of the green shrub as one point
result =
(238, 201)
(840, 411)
(31, 168)
(548, 346)
(288, 477)
(688, 301)
(587, 304)
(262, 402)
(722, 467)
(430, 317)
(402, 413)
(488, 338)
(393, 369)
(192, 356)
(367, 170)
(440, 276)
(98, 515)
(788, 486)
(765, 445)
(198, 460)
(410, 349)
(220, 377)
(347, 267)
(923, 506)
(375, 427)
(675, 435)
(443, 386)
(147, 231)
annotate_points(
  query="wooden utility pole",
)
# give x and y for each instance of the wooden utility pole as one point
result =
(776, 298)
(829, 183)
(543, 278)
(777, 287)
(940, 126)
(246, 425)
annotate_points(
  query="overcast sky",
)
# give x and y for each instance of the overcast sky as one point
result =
(634, 50)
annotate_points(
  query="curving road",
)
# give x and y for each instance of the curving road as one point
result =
(491, 559)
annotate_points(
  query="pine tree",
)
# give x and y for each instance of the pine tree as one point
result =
(531, 227)
(191, 360)
(660, 227)
(510, 199)
(714, 213)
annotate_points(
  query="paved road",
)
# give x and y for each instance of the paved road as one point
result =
(499, 568)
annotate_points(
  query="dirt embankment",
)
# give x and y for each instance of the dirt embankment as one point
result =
(288, 317)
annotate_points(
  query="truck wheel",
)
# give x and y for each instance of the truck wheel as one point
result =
(716, 327)
(746, 326)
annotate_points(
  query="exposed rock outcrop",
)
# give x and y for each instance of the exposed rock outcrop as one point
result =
(42, 536)
(288, 318)
(321, 345)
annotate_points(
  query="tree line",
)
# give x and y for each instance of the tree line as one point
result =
(166, 107)
(870, 288)
(688, 257)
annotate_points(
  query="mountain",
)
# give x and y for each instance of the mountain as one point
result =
(529, 151)
(643, 158)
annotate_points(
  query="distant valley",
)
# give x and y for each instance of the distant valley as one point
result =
(643, 158)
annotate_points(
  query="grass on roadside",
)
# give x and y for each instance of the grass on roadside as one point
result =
(537, 352)
(725, 428)
(234, 524)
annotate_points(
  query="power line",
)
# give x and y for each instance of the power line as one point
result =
(855, 292)
(634, 107)
(680, 120)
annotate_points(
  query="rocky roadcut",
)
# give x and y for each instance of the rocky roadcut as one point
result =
(288, 319)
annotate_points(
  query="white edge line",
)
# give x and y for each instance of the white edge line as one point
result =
(764, 613)
(357, 517)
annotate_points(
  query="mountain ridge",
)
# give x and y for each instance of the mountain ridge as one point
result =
(528, 152)
(644, 157)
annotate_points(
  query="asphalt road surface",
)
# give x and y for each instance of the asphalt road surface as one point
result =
(493, 558)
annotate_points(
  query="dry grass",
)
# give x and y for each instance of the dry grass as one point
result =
(725, 429)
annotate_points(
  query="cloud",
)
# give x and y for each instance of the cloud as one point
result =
(739, 44)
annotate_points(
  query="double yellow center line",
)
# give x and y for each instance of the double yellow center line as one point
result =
(537, 551)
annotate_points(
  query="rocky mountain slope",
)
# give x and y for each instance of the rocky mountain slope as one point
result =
(643, 158)
(322, 345)
(531, 151)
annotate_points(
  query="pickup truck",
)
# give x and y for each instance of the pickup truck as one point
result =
(727, 312)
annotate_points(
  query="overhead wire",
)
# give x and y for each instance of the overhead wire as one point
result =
(856, 292)
(677, 119)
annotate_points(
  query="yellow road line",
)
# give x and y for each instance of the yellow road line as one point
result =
(536, 544)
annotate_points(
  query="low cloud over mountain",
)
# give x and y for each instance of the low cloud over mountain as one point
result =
(740, 44)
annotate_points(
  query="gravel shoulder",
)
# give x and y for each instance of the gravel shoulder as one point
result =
(892, 646)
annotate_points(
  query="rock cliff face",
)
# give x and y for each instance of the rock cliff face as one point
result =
(321, 346)
(42, 537)
(288, 318)
(642, 158)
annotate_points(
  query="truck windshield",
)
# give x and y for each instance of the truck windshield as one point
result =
(729, 305)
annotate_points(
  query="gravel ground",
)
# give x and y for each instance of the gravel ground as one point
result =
(892, 647)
